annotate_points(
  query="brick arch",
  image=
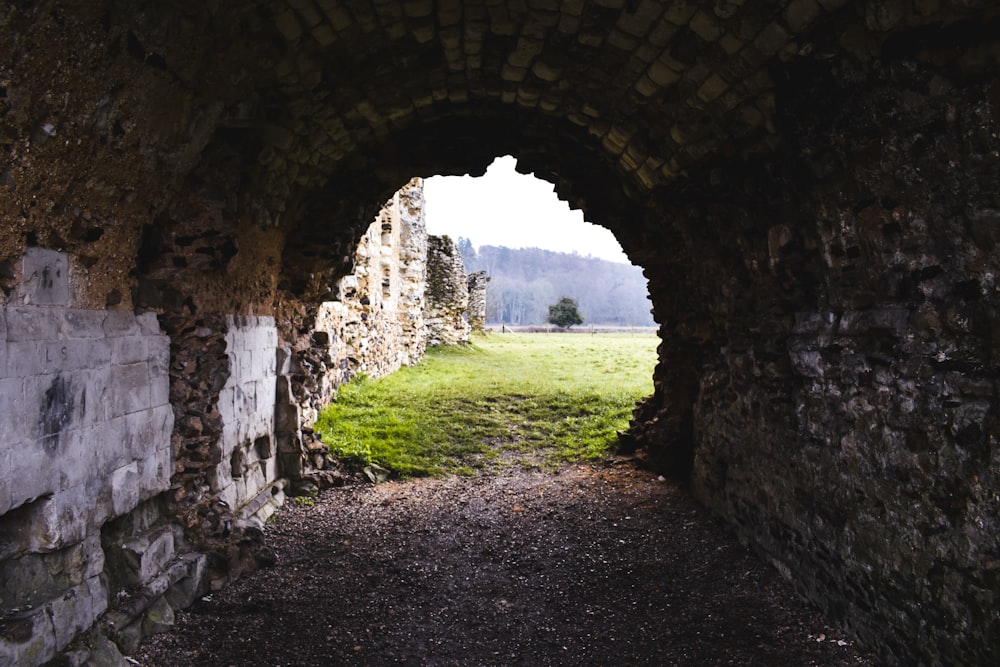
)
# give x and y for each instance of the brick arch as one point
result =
(557, 152)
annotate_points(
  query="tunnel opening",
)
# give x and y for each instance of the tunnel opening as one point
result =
(809, 186)
(412, 290)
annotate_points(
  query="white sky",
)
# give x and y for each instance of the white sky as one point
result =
(505, 208)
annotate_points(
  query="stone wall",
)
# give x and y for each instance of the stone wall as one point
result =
(477, 300)
(373, 326)
(447, 298)
(828, 382)
(85, 425)
(376, 323)
(247, 462)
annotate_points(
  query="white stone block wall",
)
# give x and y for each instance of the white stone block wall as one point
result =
(85, 428)
(246, 405)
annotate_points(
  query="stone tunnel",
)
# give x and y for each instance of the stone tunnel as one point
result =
(812, 188)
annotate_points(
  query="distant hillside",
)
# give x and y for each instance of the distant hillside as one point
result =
(526, 281)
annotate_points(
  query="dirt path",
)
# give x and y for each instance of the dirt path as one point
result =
(591, 566)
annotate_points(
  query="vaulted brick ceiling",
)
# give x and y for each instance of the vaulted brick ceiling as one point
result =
(305, 114)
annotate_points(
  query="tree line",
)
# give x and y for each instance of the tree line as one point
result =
(524, 282)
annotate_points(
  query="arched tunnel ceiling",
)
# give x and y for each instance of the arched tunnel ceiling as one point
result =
(304, 115)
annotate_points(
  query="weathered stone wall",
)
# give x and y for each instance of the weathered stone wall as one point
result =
(447, 297)
(376, 324)
(412, 267)
(247, 462)
(831, 375)
(477, 300)
(85, 428)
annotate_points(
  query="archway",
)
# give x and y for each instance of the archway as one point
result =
(809, 185)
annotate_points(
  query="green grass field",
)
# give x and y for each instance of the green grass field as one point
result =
(514, 399)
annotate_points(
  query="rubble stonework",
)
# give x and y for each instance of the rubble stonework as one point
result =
(376, 324)
(809, 186)
(447, 295)
(477, 300)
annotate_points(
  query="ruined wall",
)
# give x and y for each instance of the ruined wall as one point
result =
(447, 297)
(373, 326)
(477, 300)
(247, 461)
(376, 324)
(85, 428)
(835, 389)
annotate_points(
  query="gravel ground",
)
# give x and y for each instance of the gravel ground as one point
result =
(593, 565)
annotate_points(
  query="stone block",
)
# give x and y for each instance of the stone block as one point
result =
(28, 640)
(266, 361)
(270, 467)
(30, 324)
(159, 618)
(33, 580)
(771, 39)
(148, 324)
(120, 323)
(69, 516)
(525, 51)
(12, 409)
(84, 454)
(705, 26)
(44, 278)
(129, 350)
(144, 432)
(58, 356)
(253, 482)
(192, 582)
(158, 350)
(130, 389)
(6, 499)
(98, 396)
(77, 610)
(288, 25)
(125, 488)
(800, 14)
(230, 495)
(159, 385)
(85, 324)
(680, 12)
(32, 473)
(26, 359)
(154, 473)
(283, 361)
(246, 367)
(147, 556)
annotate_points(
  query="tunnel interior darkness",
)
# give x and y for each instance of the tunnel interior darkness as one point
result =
(809, 186)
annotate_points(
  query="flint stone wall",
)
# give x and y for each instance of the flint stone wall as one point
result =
(447, 299)
(477, 300)
(376, 324)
